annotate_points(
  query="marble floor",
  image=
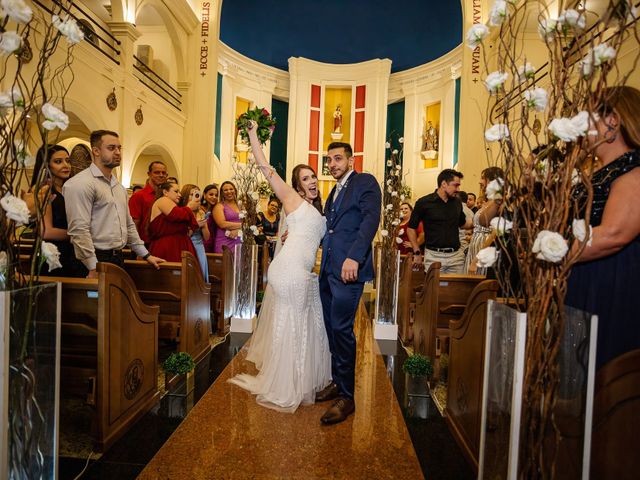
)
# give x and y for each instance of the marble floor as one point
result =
(227, 435)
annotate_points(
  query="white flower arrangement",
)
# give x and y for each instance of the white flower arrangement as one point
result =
(384, 233)
(242, 214)
(501, 225)
(254, 230)
(498, 13)
(550, 246)
(579, 230)
(54, 117)
(51, 255)
(597, 57)
(495, 81)
(547, 29)
(16, 209)
(16, 10)
(10, 42)
(255, 196)
(69, 28)
(536, 99)
(569, 129)
(399, 240)
(476, 34)
(12, 98)
(401, 231)
(23, 156)
(526, 72)
(387, 145)
(496, 133)
(494, 189)
(401, 140)
(396, 222)
(487, 257)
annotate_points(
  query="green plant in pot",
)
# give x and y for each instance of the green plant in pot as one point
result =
(418, 370)
(180, 363)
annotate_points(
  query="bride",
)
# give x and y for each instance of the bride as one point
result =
(290, 347)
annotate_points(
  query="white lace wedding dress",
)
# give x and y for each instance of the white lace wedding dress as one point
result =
(290, 347)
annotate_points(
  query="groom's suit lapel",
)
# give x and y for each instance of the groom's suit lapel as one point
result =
(344, 197)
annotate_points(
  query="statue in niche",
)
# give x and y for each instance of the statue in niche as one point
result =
(430, 138)
(337, 120)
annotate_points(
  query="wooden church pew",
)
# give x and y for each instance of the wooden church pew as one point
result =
(182, 294)
(221, 281)
(426, 312)
(466, 366)
(410, 282)
(109, 349)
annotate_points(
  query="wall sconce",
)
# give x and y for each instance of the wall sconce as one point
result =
(139, 117)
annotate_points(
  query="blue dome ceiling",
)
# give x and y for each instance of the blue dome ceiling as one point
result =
(409, 32)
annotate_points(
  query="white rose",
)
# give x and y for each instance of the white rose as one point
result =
(394, 194)
(569, 129)
(495, 81)
(389, 189)
(255, 196)
(575, 177)
(476, 34)
(11, 98)
(526, 72)
(599, 55)
(395, 152)
(16, 10)
(536, 98)
(242, 214)
(16, 209)
(395, 223)
(387, 145)
(384, 233)
(579, 230)
(4, 262)
(389, 163)
(51, 255)
(550, 246)
(389, 182)
(497, 132)
(54, 118)
(547, 29)
(389, 206)
(23, 156)
(498, 13)
(399, 240)
(487, 257)
(401, 231)
(401, 140)
(572, 18)
(254, 230)
(402, 197)
(501, 225)
(9, 42)
(69, 28)
(494, 189)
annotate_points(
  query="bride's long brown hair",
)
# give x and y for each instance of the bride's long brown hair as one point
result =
(295, 183)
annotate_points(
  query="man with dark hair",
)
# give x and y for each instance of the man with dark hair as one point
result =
(141, 202)
(96, 205)
(471, 202)
(353, 215)
(442, 216)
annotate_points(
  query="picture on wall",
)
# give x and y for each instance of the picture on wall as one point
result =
(431, 136)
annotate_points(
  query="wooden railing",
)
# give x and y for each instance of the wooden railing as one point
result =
(155, 82)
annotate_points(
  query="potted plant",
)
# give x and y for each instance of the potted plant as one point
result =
(179, 364)
(418, 370)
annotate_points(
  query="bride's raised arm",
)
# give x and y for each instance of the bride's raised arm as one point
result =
(288, 196)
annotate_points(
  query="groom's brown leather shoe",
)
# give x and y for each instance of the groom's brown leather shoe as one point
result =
(339, 411)
(328, 393)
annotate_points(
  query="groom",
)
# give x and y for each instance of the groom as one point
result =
(353, 215)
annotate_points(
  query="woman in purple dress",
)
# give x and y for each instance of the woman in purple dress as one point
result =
(227, 217)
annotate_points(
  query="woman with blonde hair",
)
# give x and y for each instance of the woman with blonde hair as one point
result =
(605, 281)
(191, 194)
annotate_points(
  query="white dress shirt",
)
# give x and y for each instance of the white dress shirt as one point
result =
(98, 216)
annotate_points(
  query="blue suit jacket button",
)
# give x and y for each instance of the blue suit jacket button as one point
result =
(330, 231)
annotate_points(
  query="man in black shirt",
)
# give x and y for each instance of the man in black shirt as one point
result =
(441, 215)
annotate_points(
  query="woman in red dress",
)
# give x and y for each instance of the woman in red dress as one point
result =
(170, 226)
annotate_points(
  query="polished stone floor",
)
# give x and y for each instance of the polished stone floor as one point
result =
(227, 435)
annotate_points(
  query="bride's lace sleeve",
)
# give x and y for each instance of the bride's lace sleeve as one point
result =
(281, 229)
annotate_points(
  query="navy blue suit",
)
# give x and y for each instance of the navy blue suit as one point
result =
(352, 222)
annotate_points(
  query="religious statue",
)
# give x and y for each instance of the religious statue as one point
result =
(430, 138)
(337, 120)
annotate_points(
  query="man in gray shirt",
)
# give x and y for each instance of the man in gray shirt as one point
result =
(100, 225)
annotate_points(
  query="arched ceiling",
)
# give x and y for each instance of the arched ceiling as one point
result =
(409, 32)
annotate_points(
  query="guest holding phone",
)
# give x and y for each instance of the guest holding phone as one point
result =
(190, 194)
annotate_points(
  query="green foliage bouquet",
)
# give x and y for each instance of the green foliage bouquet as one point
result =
(266, 124)
(178, 363)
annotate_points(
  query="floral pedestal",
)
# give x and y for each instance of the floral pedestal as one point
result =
(29, 382)
(387, 281)
(245, 280)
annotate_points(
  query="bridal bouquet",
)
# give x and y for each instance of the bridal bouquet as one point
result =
(266, 124)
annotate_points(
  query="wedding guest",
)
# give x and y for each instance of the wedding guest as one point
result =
(171, 224)
(140, 202)
(227, 217)
(209, 201)
(54, 228)
(465, 233)
(191, 193)
(471, 202)
(100, 224)
(268, 223)
(441, 214)
(482, 220)
(605, 281)
(172, 180)
(136, 188)
(402, 230)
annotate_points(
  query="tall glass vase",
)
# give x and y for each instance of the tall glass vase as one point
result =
(387, 281)
(29, 381)
(245, 280)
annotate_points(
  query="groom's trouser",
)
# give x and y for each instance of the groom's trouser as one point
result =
(339, 304)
